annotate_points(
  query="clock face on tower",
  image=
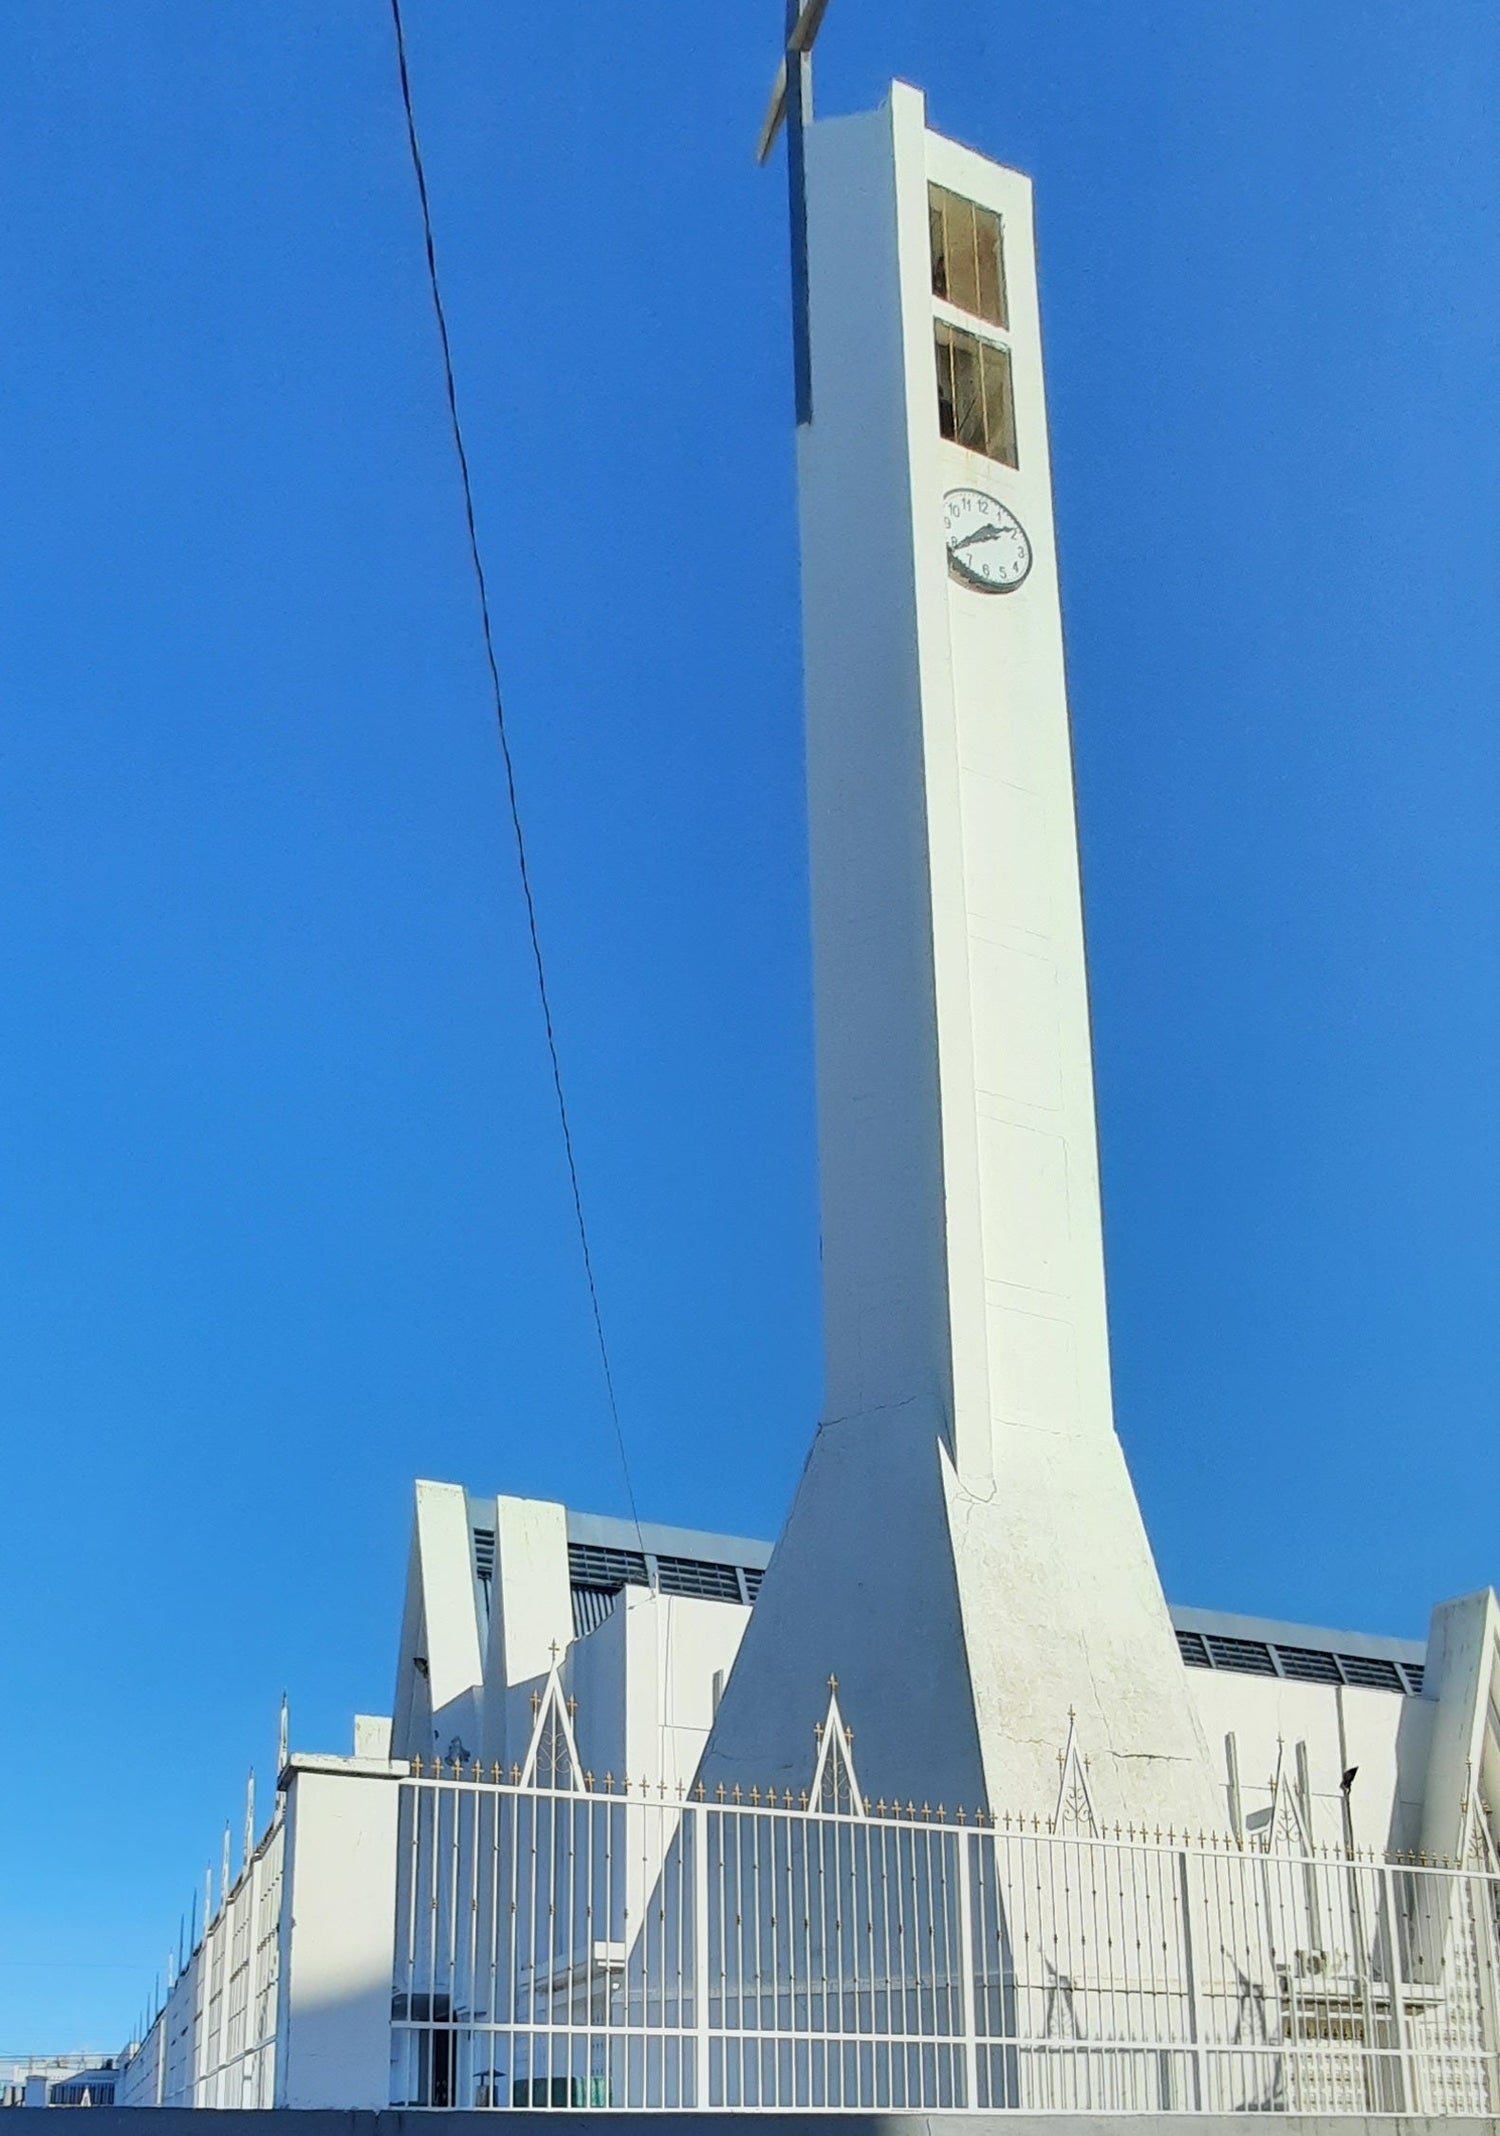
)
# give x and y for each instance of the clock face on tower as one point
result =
(987, 544)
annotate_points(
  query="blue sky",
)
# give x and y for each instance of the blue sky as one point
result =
(283, 1219)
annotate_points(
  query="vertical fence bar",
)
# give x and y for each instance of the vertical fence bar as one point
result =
(966, 1973)
(1398, 1998)
(1190, 1984)
(1481, 1891)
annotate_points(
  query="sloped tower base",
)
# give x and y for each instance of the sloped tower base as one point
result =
(965, 1650)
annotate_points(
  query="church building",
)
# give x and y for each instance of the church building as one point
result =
(644, 1627)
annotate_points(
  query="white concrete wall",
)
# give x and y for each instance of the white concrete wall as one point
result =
(338, 1954)
(643, 1680)
(1386, 1736)
(143, 2072)
(411, 1708)
(531, 1616)
(216, 2040)
(674, 1644)
(440, 1666)
(455, 1662)
(1463, 1676)
(644, 1677)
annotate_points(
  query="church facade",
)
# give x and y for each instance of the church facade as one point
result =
(420, 1923)
(643, 1627)
(938, 1803)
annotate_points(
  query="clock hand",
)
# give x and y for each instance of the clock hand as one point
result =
(984, 533)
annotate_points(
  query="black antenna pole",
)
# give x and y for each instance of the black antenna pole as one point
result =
(799, 111)
(792, 106)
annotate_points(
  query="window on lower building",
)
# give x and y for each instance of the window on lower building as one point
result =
(968, 259)
(976, 403)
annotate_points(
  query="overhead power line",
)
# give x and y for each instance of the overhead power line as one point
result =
(487, 625)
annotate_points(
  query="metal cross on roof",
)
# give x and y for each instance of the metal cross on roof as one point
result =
(792, 105)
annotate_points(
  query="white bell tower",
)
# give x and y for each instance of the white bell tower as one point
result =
(965, 1552)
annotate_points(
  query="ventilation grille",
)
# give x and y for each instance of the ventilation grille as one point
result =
(1374, 1675)
(1300, 1665)
(1251, 1657)
(484, 1553)
(1306, 1665)
(591, 1605)
(594, 1565)
(695, 1576)
(598, 1568)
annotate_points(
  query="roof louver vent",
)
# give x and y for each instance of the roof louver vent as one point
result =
(1296, 1664)
(752, 1575)
(695, 1576)
(1372, 1674)
(595, 1565)
(484, 1553)
(1308, 1665)
(1252, 1657)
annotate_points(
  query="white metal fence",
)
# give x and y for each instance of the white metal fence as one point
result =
(621, 1949)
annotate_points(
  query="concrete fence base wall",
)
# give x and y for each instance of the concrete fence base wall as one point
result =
(293, 2121)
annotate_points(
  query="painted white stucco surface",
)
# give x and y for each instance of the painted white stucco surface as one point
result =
(1384, 1738)
(339, 1940)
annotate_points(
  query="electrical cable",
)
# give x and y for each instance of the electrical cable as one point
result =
(487, 625)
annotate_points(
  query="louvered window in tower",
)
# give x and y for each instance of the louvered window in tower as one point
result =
(968, 257)
(976, 401)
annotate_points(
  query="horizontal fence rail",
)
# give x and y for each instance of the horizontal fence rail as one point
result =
(578, 1949)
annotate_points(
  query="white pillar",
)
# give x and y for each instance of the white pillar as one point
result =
(339, 1950)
